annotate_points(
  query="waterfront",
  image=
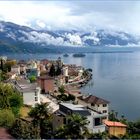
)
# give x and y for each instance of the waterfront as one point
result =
(116, 77)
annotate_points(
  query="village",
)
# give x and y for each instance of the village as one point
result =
(58, 84)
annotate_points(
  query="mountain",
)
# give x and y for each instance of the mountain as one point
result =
(16, 38)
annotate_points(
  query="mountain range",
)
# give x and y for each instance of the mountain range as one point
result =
(16, 38)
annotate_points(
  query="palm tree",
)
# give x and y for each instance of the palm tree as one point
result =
(39, 113)
(76, 128)
(41, 119)
(77, 125)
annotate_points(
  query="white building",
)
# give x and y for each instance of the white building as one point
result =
(65, 71)
(30, 92)
(95, 119)
(15, 69)
(98, 104)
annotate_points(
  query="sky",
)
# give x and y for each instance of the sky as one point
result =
(75, 14)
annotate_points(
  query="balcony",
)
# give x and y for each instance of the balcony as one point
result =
(99, 128)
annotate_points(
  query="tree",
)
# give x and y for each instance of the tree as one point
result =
(113, 116)
(1, 64)
(10, 99)
(61, 89)
(5, 90)
(52, 71)
(6, 118)
(41, 119)
(58, 71)
(32, 79)
(23, 129)
(39, 112)
(16, 102)
(75, 129)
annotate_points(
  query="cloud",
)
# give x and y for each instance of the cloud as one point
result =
(79, 15)
(41, 24)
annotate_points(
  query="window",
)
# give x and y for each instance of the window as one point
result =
(98, 105)
(97, 121)
(69, 112)
(104, 105)
(36, 99)
(92, 104)
(104, 111)
(64, 121)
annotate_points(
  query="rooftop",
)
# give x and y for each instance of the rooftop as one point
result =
(116, 124)
(73, 106)
(93, 99)
(77, 109)
(23, 85)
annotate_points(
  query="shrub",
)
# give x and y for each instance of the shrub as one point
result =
(6, 118)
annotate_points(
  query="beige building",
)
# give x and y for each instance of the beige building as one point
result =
(15, 69)
(95, 103)
(115, 128)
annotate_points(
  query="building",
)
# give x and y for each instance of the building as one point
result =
(15, 69)
(65, 71)
(30, 92)
(115, 128)
(32, 72)
(46, 83)
(95, 119)
(95, 103)
(11, 75)
(22, 69)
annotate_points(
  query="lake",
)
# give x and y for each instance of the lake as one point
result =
(116, 78)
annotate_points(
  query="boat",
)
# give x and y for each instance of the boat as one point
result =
(65, 55)
(79, 55)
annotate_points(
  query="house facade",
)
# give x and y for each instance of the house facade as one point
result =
(115, 128)
(98, 104)
(15, 69)
(46, 83)
(30, 92)
(95, 119)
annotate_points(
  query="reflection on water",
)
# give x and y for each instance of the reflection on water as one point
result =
(116, 77)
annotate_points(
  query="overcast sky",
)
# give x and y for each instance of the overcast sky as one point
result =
(80, 14)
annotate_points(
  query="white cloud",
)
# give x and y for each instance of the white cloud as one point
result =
(41, 24)
(1, 27)
(117, 15)
(74, 39)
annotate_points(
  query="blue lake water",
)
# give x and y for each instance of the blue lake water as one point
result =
(116, 78)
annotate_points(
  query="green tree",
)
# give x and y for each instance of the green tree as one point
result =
(41, 119)
(1, 64)
(58, 70)
(52, 71)
(16, 102)
(32, 79)
(6, 118)
(75, 129)
(5, 90)
(10, 99)
(61, 89)
(113, 116)
(23, 129)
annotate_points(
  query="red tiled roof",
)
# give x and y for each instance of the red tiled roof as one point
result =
(93, 99)
(112, 123)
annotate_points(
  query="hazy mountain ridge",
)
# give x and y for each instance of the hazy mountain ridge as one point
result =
(17, 38)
